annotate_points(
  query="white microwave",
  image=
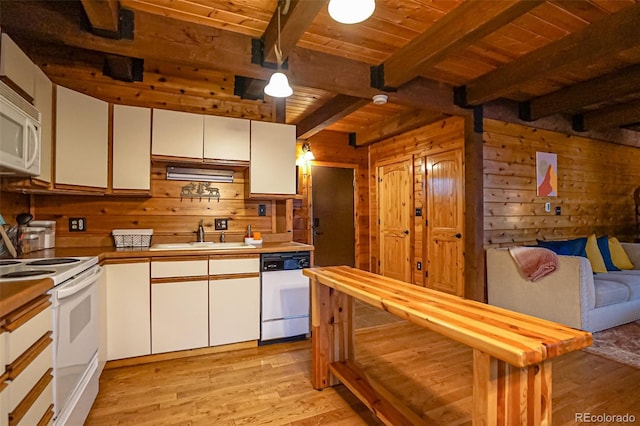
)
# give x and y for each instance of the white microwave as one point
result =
(19, 135)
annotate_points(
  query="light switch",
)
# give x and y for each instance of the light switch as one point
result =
(547, 207)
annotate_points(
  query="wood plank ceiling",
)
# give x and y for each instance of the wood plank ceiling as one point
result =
(575, 60)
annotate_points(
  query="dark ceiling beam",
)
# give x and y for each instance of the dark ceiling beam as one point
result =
(396, 125)
(329, 113)
(607, 37)
(616, 116)
(292, 26)
(104, 16)
(167, 40)
(465, 25)
(591, 92)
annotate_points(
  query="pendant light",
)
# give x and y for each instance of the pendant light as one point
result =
(278, 86)
(351, 11)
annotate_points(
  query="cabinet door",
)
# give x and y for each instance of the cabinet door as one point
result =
(235, 310)
(43, 101)
(179, 316)
(131, 147)
(16, 65)
(128, 310)
(81, 139)
(273, 158)
(226, 138)
(177, 134)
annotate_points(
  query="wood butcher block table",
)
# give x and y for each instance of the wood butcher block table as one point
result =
(512, 352)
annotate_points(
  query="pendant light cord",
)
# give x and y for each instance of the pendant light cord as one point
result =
(276, 48)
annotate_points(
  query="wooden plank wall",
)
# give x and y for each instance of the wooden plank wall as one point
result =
(171, 217)
(596, 181)
(332, 149)
(440, 136)
(12, 204)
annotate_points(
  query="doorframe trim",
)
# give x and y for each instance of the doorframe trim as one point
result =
(376, 214)
(356, 197)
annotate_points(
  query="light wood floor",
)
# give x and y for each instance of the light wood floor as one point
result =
(270, 385)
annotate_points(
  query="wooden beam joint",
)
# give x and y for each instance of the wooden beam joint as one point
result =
(123, 68)
(377, 79)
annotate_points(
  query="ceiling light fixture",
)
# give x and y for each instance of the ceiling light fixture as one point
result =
(351, 11)
(278, 86)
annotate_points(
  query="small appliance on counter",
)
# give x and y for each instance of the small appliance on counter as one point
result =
(49, 227)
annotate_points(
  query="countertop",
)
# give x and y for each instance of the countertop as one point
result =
(110, 252)
(17, 293)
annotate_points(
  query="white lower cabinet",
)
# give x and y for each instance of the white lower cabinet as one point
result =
(179, 315)
(234, 299)
(235, 310)
(128, 310)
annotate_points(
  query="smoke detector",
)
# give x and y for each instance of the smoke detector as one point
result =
(380, 99)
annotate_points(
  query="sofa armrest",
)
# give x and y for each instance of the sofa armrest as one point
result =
(633, 251)
(563, 296)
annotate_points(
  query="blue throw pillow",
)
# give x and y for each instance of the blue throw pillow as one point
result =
(603, 245)
(576, 247)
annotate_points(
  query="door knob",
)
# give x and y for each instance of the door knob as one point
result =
(405, 232)
(458, 235)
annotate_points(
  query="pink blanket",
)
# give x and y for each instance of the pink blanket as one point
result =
(534, 262)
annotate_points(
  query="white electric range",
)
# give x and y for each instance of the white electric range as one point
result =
(58, 269)
(74, 300)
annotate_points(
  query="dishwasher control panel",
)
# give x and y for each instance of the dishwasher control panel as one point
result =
(285, 261)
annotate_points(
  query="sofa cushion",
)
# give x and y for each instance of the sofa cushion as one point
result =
(594, 255)
(609, 292)
(631, 280)
(603, 245)
(575, 247)
(618, 255)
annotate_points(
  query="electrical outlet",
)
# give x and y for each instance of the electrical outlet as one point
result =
(221, 224)
(262, 209)
(419, 266)
(558, 211)
(418, 211)
(77, 224)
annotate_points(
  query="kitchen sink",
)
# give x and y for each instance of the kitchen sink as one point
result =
(207, 245)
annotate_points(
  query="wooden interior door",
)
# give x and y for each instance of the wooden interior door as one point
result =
(395, 201)
(445, 218)
(332, 194)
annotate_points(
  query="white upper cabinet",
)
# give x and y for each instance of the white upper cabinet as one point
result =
(82, 124)
(226, 138)
(17, 66)
(131, 148)
(273, 158)
(43, 101)
(177, 134)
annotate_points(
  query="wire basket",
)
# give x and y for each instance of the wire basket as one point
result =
(132, 237)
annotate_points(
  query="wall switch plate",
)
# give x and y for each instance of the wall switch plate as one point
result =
(558, 211)
(547, 207)
(262, 209)
(418, 211)
(77, 224)
(221, 224)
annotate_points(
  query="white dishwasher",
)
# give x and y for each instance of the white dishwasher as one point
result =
(285, 296)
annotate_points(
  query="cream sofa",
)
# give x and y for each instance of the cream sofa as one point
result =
(572, 295)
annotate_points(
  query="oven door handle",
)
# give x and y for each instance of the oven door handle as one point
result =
(76, 288)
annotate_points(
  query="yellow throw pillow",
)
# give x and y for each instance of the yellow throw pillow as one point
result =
(594, 255)
(618, 255)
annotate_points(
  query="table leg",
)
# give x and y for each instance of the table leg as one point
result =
(507, 395)
(331, 332)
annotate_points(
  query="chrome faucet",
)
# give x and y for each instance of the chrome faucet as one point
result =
(222, 237)
(201, 232)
